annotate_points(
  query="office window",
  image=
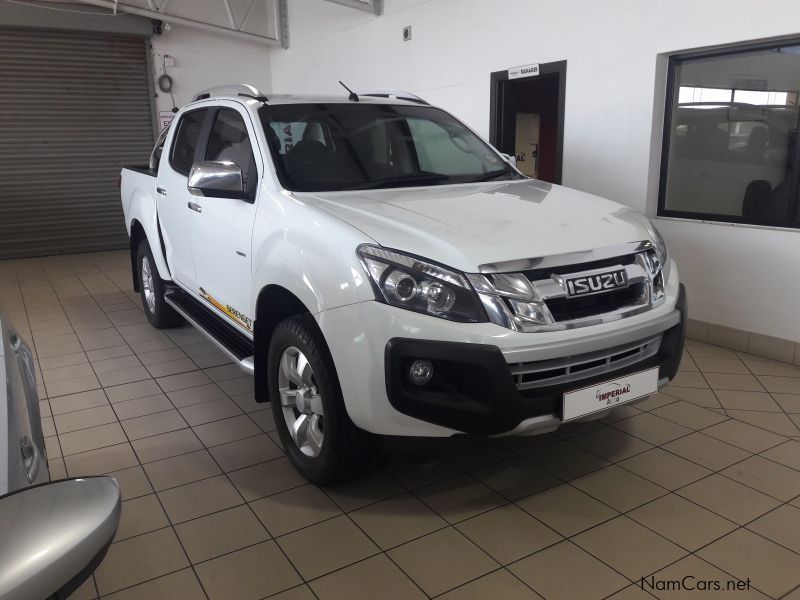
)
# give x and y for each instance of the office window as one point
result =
(730, 138)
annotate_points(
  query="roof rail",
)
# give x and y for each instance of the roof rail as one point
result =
(394, 94)
(231, 89)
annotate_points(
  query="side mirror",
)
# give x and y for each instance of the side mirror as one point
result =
(216, 179)
(512, 160)
(55, 535)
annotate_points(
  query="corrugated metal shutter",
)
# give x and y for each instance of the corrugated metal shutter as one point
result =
(74, 108)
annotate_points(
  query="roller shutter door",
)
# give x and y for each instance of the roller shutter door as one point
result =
(74, 108)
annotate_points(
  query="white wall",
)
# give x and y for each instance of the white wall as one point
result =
(204, 59)
(614, 100)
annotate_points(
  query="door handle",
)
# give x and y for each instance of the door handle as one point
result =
(195, 206)
(161, 191)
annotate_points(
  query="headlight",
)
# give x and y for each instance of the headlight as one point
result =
(660, 245)
(425, 287)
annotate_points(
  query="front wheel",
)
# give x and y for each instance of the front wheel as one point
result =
(317, 434)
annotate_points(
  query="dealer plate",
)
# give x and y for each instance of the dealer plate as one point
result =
(609, 394)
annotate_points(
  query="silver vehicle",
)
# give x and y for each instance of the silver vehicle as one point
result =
(53, 534)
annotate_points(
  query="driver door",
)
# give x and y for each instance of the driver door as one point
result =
(221, 237)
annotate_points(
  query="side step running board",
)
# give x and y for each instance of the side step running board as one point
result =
(228, 339)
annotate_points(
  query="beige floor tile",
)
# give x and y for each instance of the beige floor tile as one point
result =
(140, 515)
(497, 584)
(766, 476)
(745, 436)
(131, 391)
(689, 415)
(171, 383)
(566, 460)
(70, 372)
(326, 546)
(373, 577)
(741, 400)
(294, 509)
(628, 547)
(429, 561)
(181, 469)
(138, 559)
(264, 419)
(515, 478)
(665, 469)
(683, 522)
(130, 409)
(180, 585)
(781, 525)
(565, 572)
(133, 482)
(118, 363)
(721, 365)
(781, 385)
(106, 353)
(508, 533)
(788, 402)
(689, 380)
(171, 367)
(367, 489)
(778, 422)
(79, 401)
(787, 454)
(220, 533)
(72, 386)
(611, 444)
(471, 452)
(701, 571)
(301, 592)
(705, 398)
(82, 419)
(197, 414)
(728, 498)
(91, 438)
(86, 591)
(567, 509)
(652, 429)
(774, 570)
(709, 351)
(101, 461)
(249, 574)
(266, 478)
(226, 430)
(199, 499)
(764, 366)
(196, 395)
(246, 452)
(166, 445)
(459, 498)
(112, 378)
(619, 488)
(658, 400)
(154, 424)
(65, 360)
(397, 520)
(419, 467)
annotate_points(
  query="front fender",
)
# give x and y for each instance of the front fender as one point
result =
(308, 252)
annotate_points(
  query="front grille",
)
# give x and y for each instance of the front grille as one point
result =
(569, 308)
(574, 368)
(534, 274)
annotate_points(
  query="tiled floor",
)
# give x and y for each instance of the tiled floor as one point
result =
(701, 480)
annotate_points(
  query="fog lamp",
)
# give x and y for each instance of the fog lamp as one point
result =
(421, 372)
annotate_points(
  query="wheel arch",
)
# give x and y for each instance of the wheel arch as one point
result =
(137, 235)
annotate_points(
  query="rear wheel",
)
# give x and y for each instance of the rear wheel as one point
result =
(151, 287)
(317, 434)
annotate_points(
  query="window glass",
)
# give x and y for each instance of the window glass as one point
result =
(229, 141)
(341, 146)
(186, 138)
(733, 122)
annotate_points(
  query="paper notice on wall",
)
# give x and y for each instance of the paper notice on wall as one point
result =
(165, 118)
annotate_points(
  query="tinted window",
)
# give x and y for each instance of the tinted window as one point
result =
(341, 146)
(229, 141)
(186, 139)
(732, 125)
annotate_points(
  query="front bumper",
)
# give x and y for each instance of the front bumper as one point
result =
(368, 341)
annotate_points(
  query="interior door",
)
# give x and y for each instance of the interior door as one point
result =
(172, 196)
(223, 231)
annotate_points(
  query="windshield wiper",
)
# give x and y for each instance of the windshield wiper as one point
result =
(489, 175)
(408, 181)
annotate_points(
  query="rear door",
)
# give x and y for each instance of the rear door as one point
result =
(176, 216)
(223, 231)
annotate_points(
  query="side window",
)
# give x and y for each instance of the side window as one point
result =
(186, 139)
(229, 141)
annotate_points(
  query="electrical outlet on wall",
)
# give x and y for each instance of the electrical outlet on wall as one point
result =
(169, 61)
(407, 33)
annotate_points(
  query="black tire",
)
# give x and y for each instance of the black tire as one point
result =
(346, 451)
(160, 314)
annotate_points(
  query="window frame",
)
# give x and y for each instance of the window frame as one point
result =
(249, 195)
(202, 138)
(794, 184)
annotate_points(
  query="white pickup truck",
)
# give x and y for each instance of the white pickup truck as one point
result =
(382, 270)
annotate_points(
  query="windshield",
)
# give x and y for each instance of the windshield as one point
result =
(332, 147)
